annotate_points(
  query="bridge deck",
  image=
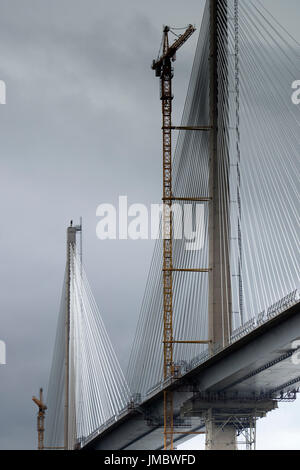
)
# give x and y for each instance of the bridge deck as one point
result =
(259, 364)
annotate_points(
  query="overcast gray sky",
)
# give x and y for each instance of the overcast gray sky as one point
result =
(82, 126)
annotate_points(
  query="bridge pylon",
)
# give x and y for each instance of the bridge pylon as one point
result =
(220, 295)
(220, 303)
(69, 402)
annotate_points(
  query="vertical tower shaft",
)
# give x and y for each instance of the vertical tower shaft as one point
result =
(219, 319)
(219, 213)
(69, 394)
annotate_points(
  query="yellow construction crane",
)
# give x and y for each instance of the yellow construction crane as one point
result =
(40, 419)
(163, 70)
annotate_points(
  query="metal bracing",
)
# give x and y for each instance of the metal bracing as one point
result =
(246, 436)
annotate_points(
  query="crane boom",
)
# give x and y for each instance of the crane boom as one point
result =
(164, 70)
(171, 51)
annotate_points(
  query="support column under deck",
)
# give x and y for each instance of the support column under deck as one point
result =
(230, 419)
(218, 437)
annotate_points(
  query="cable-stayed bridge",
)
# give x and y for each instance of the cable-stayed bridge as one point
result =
(235, 303)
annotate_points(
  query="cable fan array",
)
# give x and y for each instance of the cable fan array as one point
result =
(97, 387)
(258, 144)
(190, 296)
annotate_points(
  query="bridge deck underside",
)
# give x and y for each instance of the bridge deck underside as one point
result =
(258, 365)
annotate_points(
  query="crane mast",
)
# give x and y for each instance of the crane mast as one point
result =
(163, 70)
(40, 419)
